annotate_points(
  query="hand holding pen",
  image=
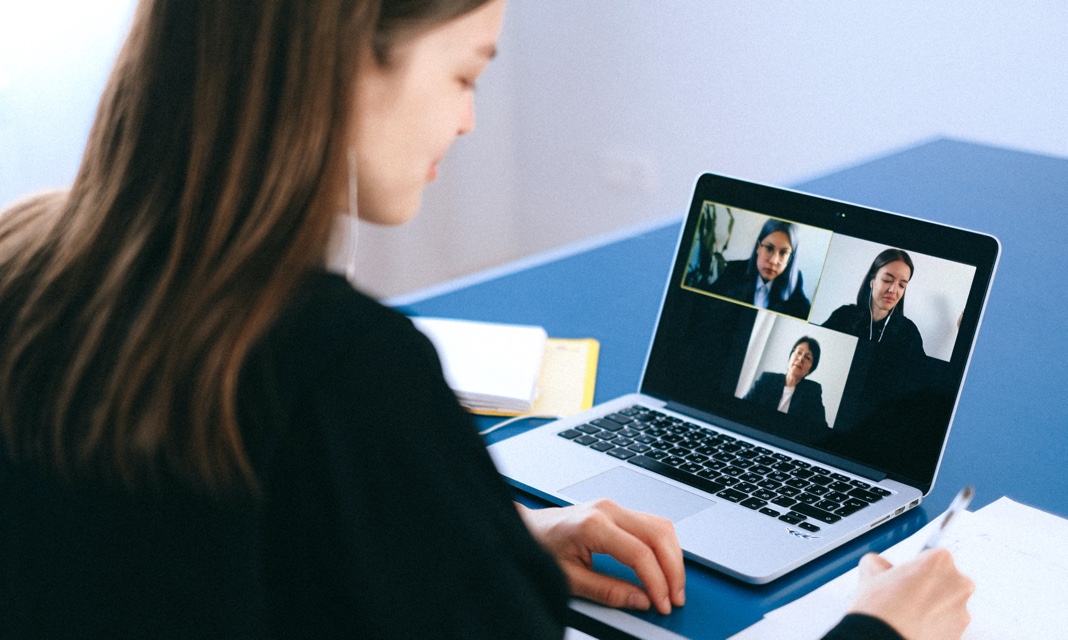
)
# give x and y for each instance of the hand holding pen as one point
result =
(960, 503)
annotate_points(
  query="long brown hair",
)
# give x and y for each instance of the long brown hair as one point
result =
(207, 189)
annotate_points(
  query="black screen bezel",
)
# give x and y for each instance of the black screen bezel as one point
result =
(963, 246)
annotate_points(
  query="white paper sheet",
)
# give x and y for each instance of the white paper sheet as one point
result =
(1017, 556)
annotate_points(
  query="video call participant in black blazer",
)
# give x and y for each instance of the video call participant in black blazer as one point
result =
(770, 278)
(879, 314)
(790, 392)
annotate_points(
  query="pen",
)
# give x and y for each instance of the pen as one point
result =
(960, 503)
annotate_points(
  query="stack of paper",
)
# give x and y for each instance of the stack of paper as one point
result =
(490, 367)
(1017, 556)
(509, 369)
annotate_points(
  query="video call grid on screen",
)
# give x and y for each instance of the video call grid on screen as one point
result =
(937, 293)
(744, 344)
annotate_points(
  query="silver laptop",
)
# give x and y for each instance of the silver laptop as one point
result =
(800, 385)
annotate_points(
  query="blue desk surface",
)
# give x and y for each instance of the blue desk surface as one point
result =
(1010, 435)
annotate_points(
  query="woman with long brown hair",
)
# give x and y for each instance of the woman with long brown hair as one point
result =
(205, 433)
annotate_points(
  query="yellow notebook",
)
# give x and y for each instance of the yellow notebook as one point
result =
(567, 378)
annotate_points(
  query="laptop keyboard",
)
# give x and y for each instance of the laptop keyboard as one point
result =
(777, 485)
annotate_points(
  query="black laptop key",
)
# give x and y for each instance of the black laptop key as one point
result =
(586, 440)
(638, 447)
(570, 434)
(668, 471)
(808, 498)
(588, 428)
(764, 494)
(784, 501)
(621, 453)
(808, 526)
(623, 442)
(656, 455)
(602, 446)
(620, 418)
(691, 467)
(841, 486)
(633, 411)
(827, 505)
(797, 483)
(753, 503)
(607, 425)
(732, 495)
(711, 474)
(821, 471)
(789, 519)
(879, 491)
(836, 496)
(866, 496)
(821, 480)
(848, 510)
(733, 472)
(817, 514)
(746, 487)
(751, 477)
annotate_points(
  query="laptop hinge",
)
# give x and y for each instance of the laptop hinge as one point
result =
(870, 473)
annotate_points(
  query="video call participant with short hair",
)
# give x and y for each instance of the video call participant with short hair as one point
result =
(791, 392)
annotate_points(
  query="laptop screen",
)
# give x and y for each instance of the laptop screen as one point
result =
(840, 328)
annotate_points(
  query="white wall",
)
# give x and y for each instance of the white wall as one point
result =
(599, 115)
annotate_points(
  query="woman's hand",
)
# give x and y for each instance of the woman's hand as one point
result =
(645, 543)
(924, 598)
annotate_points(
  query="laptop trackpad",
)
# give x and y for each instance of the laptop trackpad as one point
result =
(639, 492)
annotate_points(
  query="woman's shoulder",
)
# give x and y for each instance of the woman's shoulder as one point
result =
(736, 268)
(771, 378)
(843, 317)
(328, 321)
(734, 274)
(327, 305)
(846, 310)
